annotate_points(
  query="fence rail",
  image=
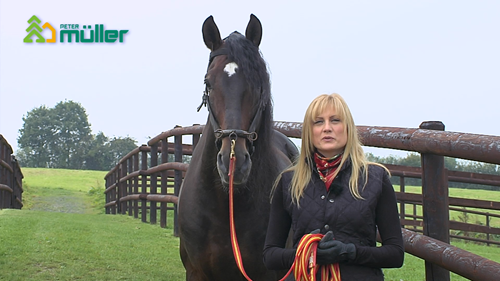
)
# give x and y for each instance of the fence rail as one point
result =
(148, 180)
(11, 178)
(463, 206)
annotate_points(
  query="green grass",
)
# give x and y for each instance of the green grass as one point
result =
(38, 245)
(42, 186)
(62, 234)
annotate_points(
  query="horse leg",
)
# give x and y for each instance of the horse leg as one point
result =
(190, 272)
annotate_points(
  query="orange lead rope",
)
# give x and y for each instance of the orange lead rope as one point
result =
(304, 266)
(234, 239)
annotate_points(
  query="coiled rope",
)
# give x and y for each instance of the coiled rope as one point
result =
(304, 266)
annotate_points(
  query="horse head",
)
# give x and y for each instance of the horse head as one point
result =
(236, 83)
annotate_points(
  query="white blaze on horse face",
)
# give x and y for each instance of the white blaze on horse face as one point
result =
(230, 68)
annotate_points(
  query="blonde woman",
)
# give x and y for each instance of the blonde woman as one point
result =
(334, 190)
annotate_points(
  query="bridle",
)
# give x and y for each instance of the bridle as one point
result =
(233, 134)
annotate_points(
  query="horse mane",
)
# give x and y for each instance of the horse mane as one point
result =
(249, 60)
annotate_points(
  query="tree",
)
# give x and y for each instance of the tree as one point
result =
(105, 153)
(36, 137)
(72, 135)
(120, 147)
(56, 137)
(61, 137)
(98, 157)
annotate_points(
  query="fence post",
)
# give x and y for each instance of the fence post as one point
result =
(136, 184)
(488, 225)
(122, 191)
(402, 211)
(164, 183)
(177, 178)
(3, 173)
(144, 184)
(153, 183)
(114, 191)
(106, 194)
(110, 195)
(11, 181)
(129, 185)
(435, 202)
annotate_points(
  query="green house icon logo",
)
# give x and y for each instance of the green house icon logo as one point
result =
(35, 30)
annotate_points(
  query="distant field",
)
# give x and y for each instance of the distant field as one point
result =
(43, 188)
(463, 193)
(78, 180)
(61, 234)
(460, 192)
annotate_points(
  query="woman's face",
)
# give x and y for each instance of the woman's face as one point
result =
(328, 134)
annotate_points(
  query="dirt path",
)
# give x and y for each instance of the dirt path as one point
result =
(64, 201)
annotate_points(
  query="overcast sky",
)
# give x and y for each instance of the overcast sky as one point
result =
(397, 63)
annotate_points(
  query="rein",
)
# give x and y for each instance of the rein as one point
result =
(304, 266)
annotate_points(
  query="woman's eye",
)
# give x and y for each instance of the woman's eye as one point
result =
(318, 122)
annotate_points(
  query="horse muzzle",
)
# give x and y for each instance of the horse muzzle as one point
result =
(240, 150)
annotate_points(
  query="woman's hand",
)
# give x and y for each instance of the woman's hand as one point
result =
(333, 251)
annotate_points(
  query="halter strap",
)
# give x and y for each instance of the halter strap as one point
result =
(213, 54)
(218, 52)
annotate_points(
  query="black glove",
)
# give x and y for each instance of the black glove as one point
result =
(316, 231)
(333, 251)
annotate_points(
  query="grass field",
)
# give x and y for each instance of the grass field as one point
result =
(62, 234)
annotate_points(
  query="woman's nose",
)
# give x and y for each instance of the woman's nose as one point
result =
(327, 127)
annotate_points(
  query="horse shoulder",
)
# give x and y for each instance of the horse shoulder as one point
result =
(283, 144)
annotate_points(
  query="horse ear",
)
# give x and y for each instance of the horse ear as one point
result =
(211, 34)
(254, 30)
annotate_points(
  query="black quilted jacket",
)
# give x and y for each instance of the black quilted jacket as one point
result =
(351, 220)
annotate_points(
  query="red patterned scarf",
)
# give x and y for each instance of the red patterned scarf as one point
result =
(326, 167)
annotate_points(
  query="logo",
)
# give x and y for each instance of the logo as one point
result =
(34, 29)
(72, 33)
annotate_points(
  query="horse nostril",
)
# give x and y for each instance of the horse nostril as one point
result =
(222, 162)
(219, 158)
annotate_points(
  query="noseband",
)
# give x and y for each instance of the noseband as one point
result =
(233, 134)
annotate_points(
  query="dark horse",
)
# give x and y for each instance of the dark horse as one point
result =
(239, 102)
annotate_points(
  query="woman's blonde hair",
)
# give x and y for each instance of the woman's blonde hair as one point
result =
(353, 150)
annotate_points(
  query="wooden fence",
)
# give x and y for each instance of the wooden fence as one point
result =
(475, 216)
(11, 178)
(148, 180)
